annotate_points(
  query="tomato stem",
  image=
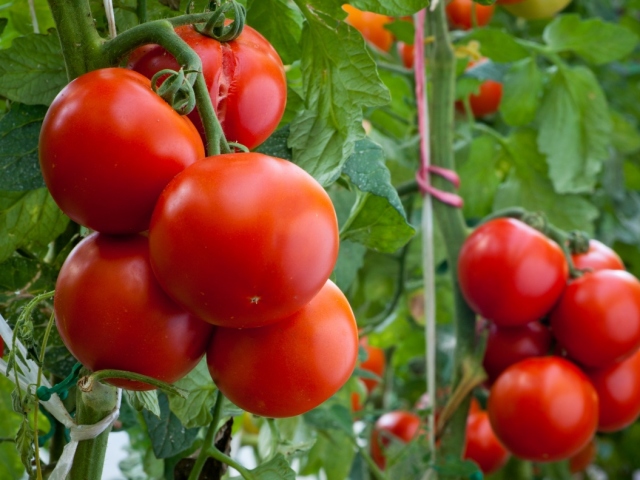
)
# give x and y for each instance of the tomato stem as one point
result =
(216, 141)
(89, 382)
(208, 439)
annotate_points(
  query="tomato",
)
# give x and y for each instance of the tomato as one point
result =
(112, 314)
(618, 387)
(536, 9)
(109, 145)
(598, 257)
(371, 26)
(374, 363)
(358, 396)
(396, 426)
(510, 273)
(581, 460)
(245, 78)
(509, 345)
(288, 368)
(243, 240)
(460, 14)
(597, 320)
(482, 446)
(543, 409)
(487, 100)
(406, 54)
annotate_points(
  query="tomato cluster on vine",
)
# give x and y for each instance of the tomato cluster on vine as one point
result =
(227, 255)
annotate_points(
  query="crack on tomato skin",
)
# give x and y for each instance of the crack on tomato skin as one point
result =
(225, 79)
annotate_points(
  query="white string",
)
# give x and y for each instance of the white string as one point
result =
(434, 5)
(34, 18)
(111, 17)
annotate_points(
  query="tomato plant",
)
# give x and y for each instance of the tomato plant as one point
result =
(106, 173)
(597, 318)
(536, 9)
(543, 409)
(256, 238)
(374, 363)
(399, 426)
(371, 26)
(510, 273)
(598, 257)
(112, 314)
(290, 367)
(466, 14)
(482, 446)
(245, 78)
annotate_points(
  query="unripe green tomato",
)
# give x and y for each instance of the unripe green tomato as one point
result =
(536, 9)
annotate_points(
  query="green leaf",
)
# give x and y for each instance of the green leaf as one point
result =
(378, 219)
(3, 24)
(168, 436)
(522, 91)
(28, 217)
(350, 260)
(334, 453)
(146, 400)
(479, 179)
(334, 417)
(339, 80)
(10, 422)
(596, 41)
(498, 45)
(16, 272)
(24, 443)
(394, 8)
(195, 410)
(280, 23)
(625, 136)
(19, 134)
(575, 129)
(456, 468)
(32, 70)
(276, 144)
(402, 30)
(275, 469)
(529, 187)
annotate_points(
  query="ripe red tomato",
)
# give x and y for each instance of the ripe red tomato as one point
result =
(374, 363)
(288, 368)
(358, 396)
(406, 54)
(581, 460)
(112, 314)
(543, 409)
(245, 78)
(509, 345)
(109, 145)
(460, 14)
(511, 273)
(536, 9)
(598, 257)
(618, 387)
(597, 319)
(487, 100)
(243, 240)
(371, 26)
(399, 426)
(482, 446)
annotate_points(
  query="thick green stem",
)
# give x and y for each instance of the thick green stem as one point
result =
(92, 407)
(208, 439)
(450, 220)
(89, 382)
(216, 141)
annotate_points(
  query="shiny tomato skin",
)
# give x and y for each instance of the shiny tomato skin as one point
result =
(536, 9)
(290, 367)
(585, 457)
(375, 363)
(482, 446)
(112, 314)
(487, 100)
(618, 387)
(245, 78)
(109, 145)
(243, 240)
(399, 425)
(510, 273)
(371, 26)
(406, 54)
(459, 13)
(597, 319)
(598, 257)
(543, 409)
(509, 345)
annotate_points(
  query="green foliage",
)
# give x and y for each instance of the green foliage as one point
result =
(280, 24)
(145, 400)
(195, 409)
(168, 436)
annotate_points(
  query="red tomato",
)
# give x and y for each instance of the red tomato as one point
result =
(598, 257)
(112, 314)
(406, 54)
(371, 26)
(618, 387)
(597, 319)
(374, 363)
(487, 100)
(581, 460)
(482, 446)
(509, 345)
(460, 14)
(358, 396)
(288, 368)
(398, 426)
(511, 273)
(543, 409)
(109, 145)
(245, 78)
(243, 240)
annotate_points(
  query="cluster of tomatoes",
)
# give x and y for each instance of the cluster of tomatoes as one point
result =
(228, 255)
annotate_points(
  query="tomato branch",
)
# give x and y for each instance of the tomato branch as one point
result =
(208, 439)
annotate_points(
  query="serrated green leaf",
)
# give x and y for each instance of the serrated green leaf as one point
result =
(32, 70)
(19, 134)
(276, 144)
(275, 469)
(195, 410)
(334, 417)
(529, 187)
(498, 45)
(350, 260)
(522, 91)
(145, 400)
(479, 179)
(334, 453)
(24, 443)
(168, 436)
(280, 23)
(575, 129)
(16, 272)
(28, 217)
(339, 79)
(394, 8)
(596, 41)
